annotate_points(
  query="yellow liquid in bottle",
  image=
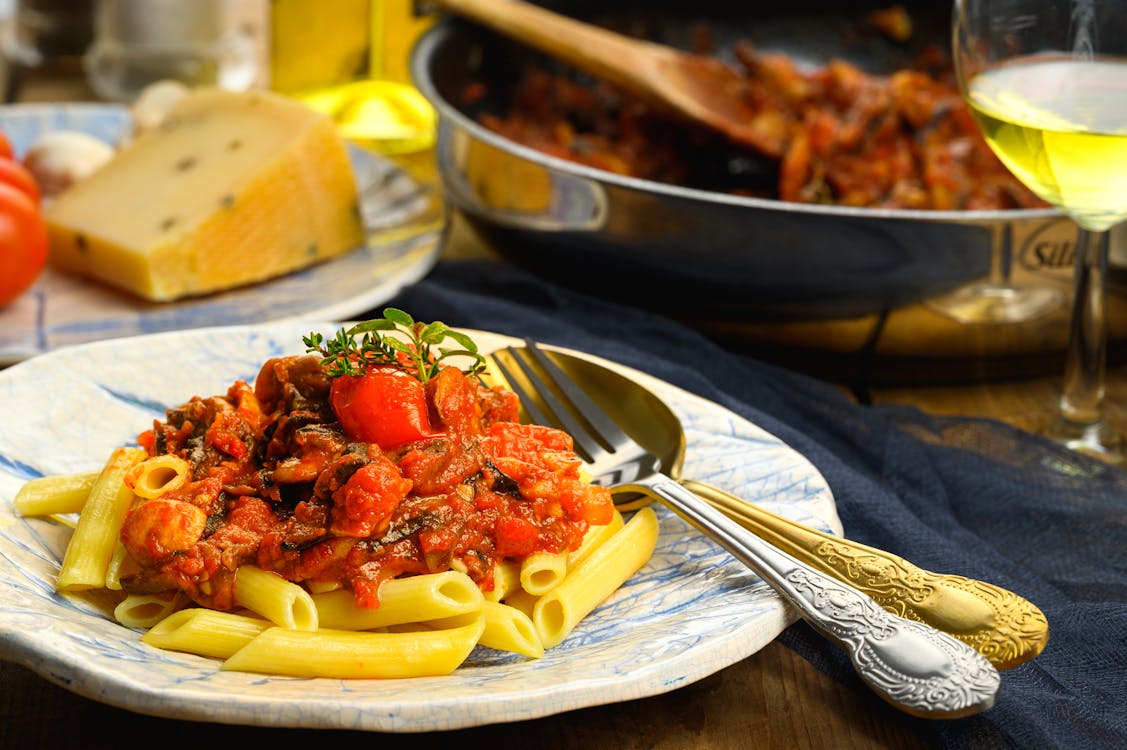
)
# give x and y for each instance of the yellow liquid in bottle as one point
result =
(1060, 126)
(349, 59)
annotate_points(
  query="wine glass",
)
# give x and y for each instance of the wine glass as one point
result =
(1047, 83)
(997, 298)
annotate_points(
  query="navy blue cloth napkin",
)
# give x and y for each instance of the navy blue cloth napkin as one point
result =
(970, 497)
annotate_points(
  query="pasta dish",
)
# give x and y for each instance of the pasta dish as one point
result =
(367, 509)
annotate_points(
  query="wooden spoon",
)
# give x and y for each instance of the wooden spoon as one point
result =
(702, 89)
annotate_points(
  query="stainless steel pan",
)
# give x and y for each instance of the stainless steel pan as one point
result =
(681, 248)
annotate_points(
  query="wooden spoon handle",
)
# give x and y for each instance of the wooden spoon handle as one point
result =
(1002, 626)
(699, 88)
(620, 60)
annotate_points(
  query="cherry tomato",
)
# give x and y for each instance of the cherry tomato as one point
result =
(23, 243)
(19, 177)
(386, 406)
(6, 150)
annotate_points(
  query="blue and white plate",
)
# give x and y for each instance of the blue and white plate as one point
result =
(404, 221)
(691, 611)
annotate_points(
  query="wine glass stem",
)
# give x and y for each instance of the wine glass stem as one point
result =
(1001, 254)
(1082, 401)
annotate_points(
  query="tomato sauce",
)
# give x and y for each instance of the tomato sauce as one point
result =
(291, 476)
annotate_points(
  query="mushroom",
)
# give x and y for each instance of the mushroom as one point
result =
(60, 158)
(154, 103)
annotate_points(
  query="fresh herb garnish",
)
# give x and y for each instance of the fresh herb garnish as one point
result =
(350, 351)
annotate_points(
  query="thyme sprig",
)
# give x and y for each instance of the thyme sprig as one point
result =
(397, 340)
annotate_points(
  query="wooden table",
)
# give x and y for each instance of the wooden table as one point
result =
(772, 699)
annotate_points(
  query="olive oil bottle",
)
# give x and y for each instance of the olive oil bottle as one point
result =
(349, 59)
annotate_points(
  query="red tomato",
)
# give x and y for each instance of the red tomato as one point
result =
(515, 536)
(23, 243)
(6, 150)
(364, 505)
(18, 176)
(386, 406)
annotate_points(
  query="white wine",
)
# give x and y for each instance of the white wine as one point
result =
(1060, 125)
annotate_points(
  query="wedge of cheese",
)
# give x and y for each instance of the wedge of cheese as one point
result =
(231, 189)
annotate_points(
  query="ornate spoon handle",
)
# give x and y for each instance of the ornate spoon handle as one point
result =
(1002, 626)
(911, 665)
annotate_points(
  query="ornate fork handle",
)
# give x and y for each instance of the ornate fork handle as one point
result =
(1002, 626)
(911, 665)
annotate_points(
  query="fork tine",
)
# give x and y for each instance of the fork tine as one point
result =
(605, 427)
(526, 400)
(561, 417)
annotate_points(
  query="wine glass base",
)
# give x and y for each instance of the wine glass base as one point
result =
(1100, 440)
(1105, 440)
(986, 302)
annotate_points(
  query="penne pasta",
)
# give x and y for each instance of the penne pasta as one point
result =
(509, 629)
(268, 594)
(594, 537)
(506, 579)
(54, 495)
(91, 546)
(346, 654)
(541, 572)
(322, 587)
(157, 475)
(120, 565)
(146, 610)
(442, 623)
(522, 600)
(609, 566)
(412, 599)
(206, 632)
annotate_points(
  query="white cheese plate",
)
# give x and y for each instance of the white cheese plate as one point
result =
(404, 220)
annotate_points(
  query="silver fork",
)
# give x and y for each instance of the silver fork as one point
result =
(913, 666)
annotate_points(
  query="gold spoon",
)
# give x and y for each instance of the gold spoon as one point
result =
(702, 89)
(1002, 626)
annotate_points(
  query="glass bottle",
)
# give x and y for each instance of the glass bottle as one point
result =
(349, 59)
(139, 42)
